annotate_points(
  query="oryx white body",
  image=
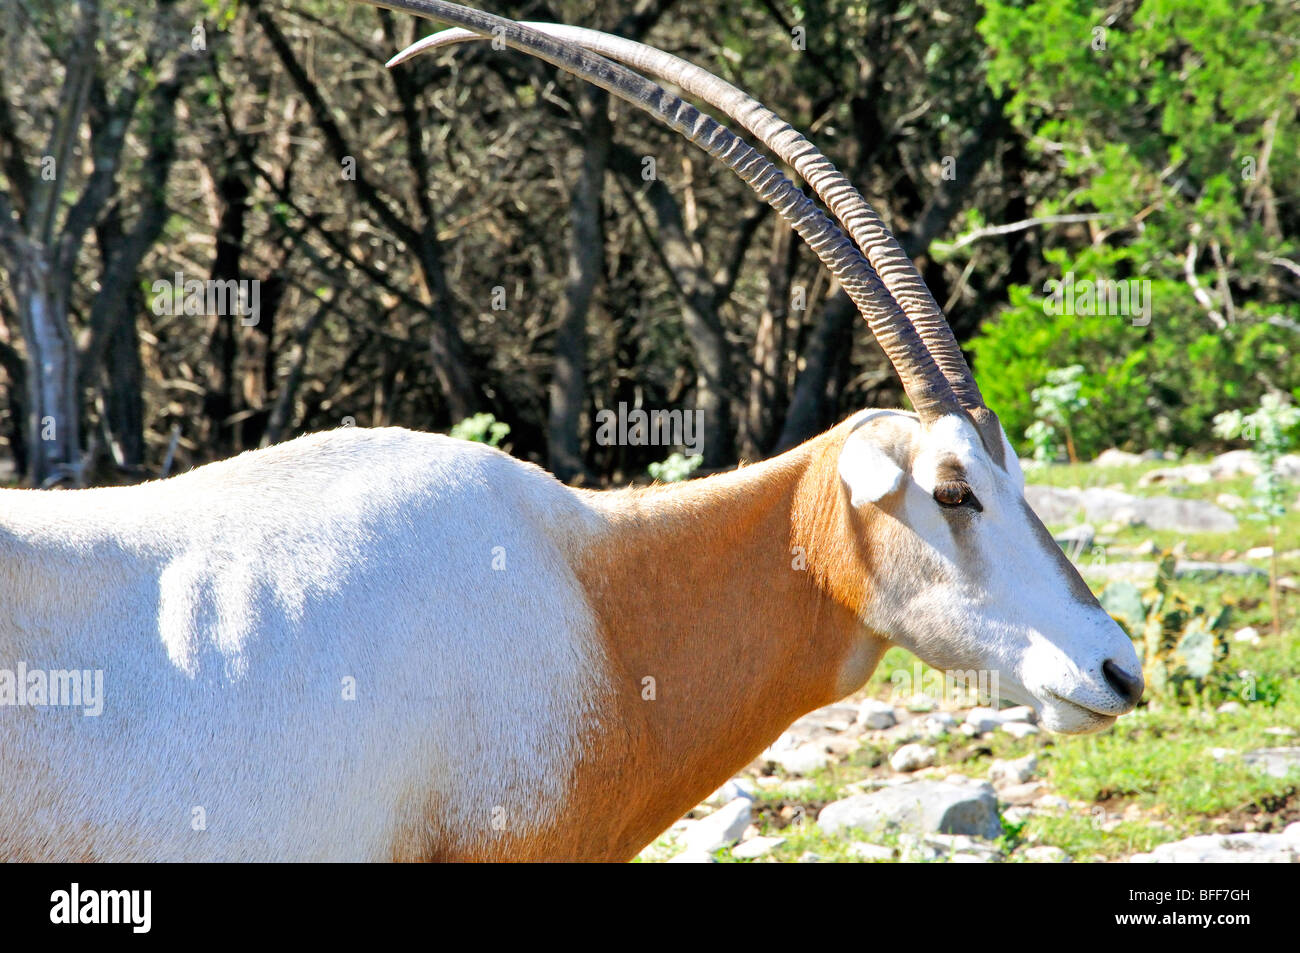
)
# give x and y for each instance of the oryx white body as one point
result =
(227, 606)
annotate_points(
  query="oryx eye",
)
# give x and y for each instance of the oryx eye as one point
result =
(956, 493)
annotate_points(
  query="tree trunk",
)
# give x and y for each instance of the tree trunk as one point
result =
(568, 388)
(807, 412)
(769, 346)
(123, 403)
(223, 399)
(52, 413)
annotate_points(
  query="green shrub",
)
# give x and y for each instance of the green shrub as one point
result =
(676, 467)
(1154, 386)
(481, 428)
(1056, 404)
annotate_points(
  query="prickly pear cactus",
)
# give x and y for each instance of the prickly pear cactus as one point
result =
(1183, 645)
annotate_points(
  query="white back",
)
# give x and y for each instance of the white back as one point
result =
(225, 621)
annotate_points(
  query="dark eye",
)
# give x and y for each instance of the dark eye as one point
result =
(956, 494)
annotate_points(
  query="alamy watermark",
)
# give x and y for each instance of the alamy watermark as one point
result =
(960, 687)
(653, 428)
(54, 688)
(76, 905)
(1128, 298)
(179, 295)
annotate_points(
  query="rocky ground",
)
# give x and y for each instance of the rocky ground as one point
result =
(910, 807)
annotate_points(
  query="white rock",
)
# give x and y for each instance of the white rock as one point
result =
(1019, 729)
(983, 719)
(876, 715)
(1277, 762)
(933, 730)
(756, 847)
(956, 848)
(1193, 473)
(874, 852)
(1249, 634)
(1018, 713)
(1229, 708)
(932, 806)
(720, 829)
(1199, 569)
(937, 724)
(1144, 573)
(797, 787)
(730, 790)
(1235, 463)
(804, 759)
(1230, 501)
(914, 850)
(1018, 814)
(1076, 538)
(1014, 772)
(1098, 505)
(1249, 848)
(1259, 552)
(692, 857)
(1046, 855)
(1025, 793)
(962, 842)
(1116, 458)
(912, 757)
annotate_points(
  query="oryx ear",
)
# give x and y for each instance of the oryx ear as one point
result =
(867, 470)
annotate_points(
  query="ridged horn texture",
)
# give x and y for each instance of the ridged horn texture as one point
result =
(926, 387)
(882, 250)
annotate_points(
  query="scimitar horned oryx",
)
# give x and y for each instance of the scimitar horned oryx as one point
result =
(379, 644)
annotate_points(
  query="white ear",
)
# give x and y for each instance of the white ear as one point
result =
(868, 472)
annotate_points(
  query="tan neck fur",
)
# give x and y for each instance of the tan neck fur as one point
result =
(696, 587)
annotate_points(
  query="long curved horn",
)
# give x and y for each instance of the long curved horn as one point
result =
(870, 234)
(927, 388)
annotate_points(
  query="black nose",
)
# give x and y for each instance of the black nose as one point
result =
(1128, 687)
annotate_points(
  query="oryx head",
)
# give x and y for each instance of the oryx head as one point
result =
(964, 574)
(973, 581)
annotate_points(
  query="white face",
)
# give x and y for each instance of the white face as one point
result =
(979, 584)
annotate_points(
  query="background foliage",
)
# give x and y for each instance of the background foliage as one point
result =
(472, 233)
